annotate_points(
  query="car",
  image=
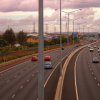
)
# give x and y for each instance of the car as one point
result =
(95, 60)
(62, 48)
(34, 58)
(47, 58)
(95, 46)
(98, 50)
(47, 65)
(91, 49)
(98, 47)
(89, 46)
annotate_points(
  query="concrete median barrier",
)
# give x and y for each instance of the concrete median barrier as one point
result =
(61, 78)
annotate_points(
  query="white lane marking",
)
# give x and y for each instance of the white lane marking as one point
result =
(92, 73)
(95, 78)
(54, 70)
(53, 50)
(32, 75)
(13, 96)
(98, 84)
(7, 81)
(77, 96)
(27, 80)
(21, 87)
(13, 67)
(15, 76)
(90, 69)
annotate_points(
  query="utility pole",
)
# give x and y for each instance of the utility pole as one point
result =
(34, 27)
(55, 29)
(68, 28)
(41, 54)
(46, 28)
(61, 36)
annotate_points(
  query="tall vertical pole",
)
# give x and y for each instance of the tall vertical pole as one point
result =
(41, 55)
(68, 23)
(55, 29)
(34, 27)
(68, 28)
(88, 29)
(73, 31)
(79, 28)
(46, 28)
(73, 25)
(83, 29)
(61, 36)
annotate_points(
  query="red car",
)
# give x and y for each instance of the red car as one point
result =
(34, 58)
(47, 58)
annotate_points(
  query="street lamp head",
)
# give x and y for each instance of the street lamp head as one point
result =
(80, 9)
(56, 9)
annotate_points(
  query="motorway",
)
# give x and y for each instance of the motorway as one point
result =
(82, 79)
(88, 75)
(21, 81)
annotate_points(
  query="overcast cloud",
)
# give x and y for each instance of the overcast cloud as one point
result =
(30, 5)
(9, 6)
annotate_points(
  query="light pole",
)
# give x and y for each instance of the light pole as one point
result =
(41, 54)
(46, 28)
(68, 18)
(34, 27)
(73, 20)
(61, 37)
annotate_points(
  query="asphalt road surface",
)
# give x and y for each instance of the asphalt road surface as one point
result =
(88, 75)
(21, 82)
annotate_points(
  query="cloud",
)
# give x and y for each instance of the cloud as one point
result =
(18, 5)
(32, 5)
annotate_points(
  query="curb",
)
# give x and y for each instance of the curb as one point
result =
(25, 57)
(61, 79)
(58, 93)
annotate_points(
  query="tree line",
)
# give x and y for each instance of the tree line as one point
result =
(9, 38)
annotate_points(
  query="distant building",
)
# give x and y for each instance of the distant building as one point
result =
(17, 45)
(32, 37)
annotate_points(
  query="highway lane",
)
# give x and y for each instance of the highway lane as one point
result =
(88, 76)
(20, 82)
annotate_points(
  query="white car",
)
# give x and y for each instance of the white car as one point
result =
(95, 46)
(98, 47)
(99, 50)
(95, 60)
(47, 65)
(91, 49)
(89, 46)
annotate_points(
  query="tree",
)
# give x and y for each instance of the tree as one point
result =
(3, 43)
(21, 38)
(55, 40)
(9, 36)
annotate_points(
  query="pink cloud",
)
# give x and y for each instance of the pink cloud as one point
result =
(18, 5)
(31, 5)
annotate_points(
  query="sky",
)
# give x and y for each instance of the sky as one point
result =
(22, 14)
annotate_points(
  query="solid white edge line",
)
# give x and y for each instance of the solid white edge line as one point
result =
(54, 70)
(13, 67)
(46, 52)
(77, 95)
(50, 75)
